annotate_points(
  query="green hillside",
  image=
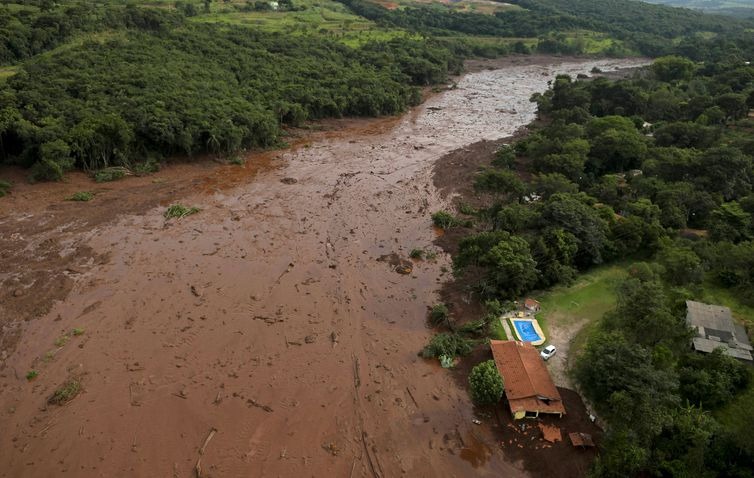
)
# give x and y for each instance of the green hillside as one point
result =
(96, 84)
(725, 7)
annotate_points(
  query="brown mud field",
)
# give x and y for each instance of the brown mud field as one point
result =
(261, 336)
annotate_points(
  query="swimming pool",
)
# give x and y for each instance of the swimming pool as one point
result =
(528, 330)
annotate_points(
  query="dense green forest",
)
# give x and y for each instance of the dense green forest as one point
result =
(159, 90)
(658, 168)
(96, 84)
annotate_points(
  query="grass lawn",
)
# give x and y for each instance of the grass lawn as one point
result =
(7, 71)
(497, 332)
(713, 294)
(588, 299)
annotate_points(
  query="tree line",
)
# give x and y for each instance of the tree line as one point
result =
(198, 88)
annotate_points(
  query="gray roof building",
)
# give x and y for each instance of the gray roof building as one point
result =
(714, 327)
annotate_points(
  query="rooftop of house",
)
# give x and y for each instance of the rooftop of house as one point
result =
(528, 384)
(714, 327)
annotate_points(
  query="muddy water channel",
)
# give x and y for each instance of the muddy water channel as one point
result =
(267, 316)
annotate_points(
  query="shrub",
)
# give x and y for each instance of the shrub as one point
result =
(180, 211)
(81, 196)
(477, 327)
(445, 220)
(439, 314)
(485, 383)
(31, 375)
(237, 160)
(505, 157)
(54, 160)
(149, 166)
(448, 344)
(467, 209)
(4, 188)
(416, 254)
(110, 174)
(65, 393)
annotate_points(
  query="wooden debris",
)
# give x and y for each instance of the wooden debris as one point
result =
(253, 403)
(356, 377)
(206, 440)
(582, 440)
(412, 397)
(550, 433)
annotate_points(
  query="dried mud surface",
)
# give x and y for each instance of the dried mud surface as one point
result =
(267, 316)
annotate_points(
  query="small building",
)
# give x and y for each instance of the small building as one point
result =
(532, 306)
(714, 327)
(529, 388)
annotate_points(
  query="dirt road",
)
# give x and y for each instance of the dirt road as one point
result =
(266, 316)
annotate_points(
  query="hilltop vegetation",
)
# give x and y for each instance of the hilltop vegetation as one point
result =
(725, 7)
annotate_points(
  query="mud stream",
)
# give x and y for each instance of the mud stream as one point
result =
(266, 316)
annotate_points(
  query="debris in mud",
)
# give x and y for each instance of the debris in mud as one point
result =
(267, 320)
(331, 448)
(310, 339)
(400, 265)
(195, 291)
(253, 403)
(206, 440)
(182, 394)
(289, 180)
(134, 367)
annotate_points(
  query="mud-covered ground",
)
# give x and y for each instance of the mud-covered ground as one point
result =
(267, 316)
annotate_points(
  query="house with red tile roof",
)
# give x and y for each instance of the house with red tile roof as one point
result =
(529, 389)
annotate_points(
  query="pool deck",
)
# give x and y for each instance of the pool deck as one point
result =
(534, 324)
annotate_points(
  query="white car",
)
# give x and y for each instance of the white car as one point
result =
(548, 352)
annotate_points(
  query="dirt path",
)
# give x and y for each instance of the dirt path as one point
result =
(266, 316)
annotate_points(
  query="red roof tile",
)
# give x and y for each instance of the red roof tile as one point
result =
(528, 385)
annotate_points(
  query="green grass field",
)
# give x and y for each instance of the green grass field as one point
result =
(588, 298)
(497, 332)
(312, 17)
(6, 72)
(713, 294)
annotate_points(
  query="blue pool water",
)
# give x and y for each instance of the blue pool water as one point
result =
(526, 331)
